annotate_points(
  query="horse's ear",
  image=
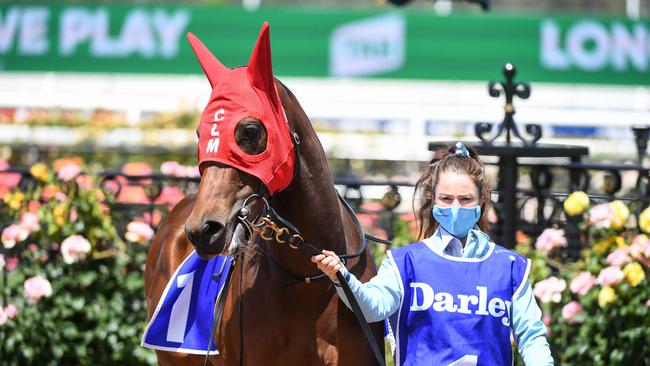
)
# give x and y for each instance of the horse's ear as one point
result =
(212, 68)
(260, 69)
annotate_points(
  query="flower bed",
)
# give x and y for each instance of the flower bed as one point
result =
(71, 289)
(597, 307)
(71, 284)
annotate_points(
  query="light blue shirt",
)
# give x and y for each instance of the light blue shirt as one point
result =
(382, 295)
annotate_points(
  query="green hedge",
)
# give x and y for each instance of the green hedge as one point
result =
(87, 303)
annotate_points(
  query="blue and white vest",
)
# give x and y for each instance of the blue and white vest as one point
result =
(456, 311)
(183, 319)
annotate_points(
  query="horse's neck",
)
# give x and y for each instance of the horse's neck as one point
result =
(311, 203)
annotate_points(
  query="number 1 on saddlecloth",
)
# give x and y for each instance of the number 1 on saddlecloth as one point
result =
(180, 309)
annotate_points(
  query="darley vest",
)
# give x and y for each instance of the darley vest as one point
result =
(456, 311)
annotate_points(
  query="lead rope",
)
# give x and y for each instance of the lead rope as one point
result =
(241, 315)
(356, 310)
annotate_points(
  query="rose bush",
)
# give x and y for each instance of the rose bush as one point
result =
(597, 307)
(71, 289)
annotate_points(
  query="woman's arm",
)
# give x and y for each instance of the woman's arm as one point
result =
(378, 298)
(529, 330)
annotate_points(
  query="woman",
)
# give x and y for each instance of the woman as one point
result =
(455, 297)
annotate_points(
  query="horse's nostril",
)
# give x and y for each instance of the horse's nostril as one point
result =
(211, 227)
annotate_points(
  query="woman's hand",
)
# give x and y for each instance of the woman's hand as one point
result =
(329, 263)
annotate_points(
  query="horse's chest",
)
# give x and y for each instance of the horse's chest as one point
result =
(282, 330)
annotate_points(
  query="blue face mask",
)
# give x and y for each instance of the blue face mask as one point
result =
(456, 220)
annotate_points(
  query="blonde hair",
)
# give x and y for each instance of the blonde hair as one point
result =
(448, 159)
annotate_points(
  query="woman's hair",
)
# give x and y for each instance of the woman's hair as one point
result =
(449, 159)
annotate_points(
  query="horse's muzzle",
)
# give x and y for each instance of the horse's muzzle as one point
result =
(213, 238)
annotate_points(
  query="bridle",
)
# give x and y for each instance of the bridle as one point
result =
(272, 227)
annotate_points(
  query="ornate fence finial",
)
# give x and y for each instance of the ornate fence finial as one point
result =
(510, 88)
(641, 135)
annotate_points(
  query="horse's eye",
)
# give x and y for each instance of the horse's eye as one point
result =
(250, 136)
(251, 132)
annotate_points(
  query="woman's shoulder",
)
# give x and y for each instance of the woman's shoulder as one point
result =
(511, 254)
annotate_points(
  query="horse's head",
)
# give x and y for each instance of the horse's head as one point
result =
(245, 146)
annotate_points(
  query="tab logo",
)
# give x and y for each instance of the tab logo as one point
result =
(368, 47)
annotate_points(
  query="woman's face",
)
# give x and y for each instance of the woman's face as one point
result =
(454, 189)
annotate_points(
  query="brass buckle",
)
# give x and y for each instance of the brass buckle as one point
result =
(268, 229)
(266, 233)
(279, 232)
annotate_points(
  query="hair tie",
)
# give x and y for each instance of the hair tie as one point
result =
(461, 150)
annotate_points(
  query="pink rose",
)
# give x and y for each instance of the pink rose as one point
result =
(619, 257)
(3, 317)
(12, 263)
(33, 206)
(68, 172)
(37, 287)
(640, 249)
(13, 234)
(73, 215)
(582, 283)
(550, 239)
(29, 222)
(85, 182)
(570, 310)
(610, 276)
(647, 303)
(7, 180)
(11, 311)
(602, 216)
(152, 219)
(635, 251)
(60, 196)
(48, 192)
(549, 290)
(74, 248)
(139, 232)
(640, 239)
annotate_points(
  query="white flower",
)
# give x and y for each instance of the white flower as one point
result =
(74, 249)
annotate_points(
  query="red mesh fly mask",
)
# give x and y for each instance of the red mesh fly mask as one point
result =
(237, 94)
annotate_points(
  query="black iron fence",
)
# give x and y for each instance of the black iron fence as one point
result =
(540, 190)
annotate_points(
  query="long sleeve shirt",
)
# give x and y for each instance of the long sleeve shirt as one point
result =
(382, 295)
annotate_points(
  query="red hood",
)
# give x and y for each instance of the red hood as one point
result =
(236, 94)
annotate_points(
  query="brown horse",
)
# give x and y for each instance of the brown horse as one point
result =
(269, 317)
